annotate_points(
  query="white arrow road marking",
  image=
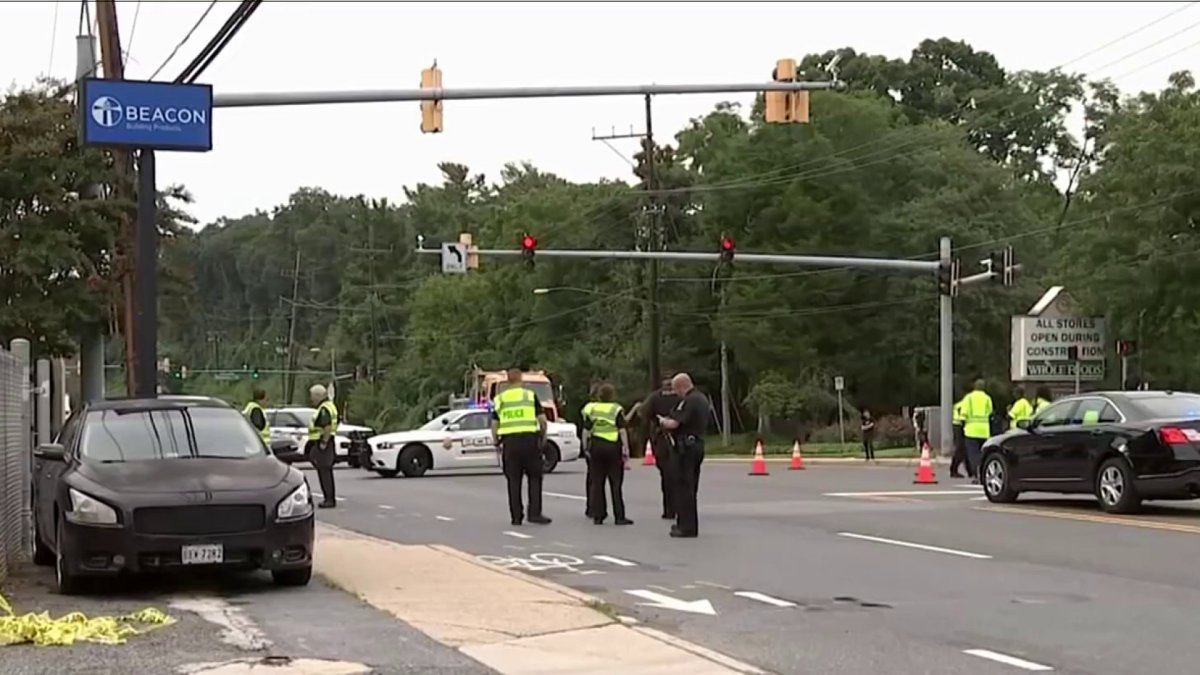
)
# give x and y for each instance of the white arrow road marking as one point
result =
(561, 495)
(615, 561)
(702, 606)
(1007, 660)
(518, 535)
(386, 507)
(923, 547)
(444, 518)
(754, 595)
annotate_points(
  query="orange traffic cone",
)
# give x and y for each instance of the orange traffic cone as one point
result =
(759, 466)
(925, 468)
(648, 458)
(797, 460)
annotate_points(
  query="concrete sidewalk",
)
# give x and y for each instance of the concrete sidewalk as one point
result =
(514, 623)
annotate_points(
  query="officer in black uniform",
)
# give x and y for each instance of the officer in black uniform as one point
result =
(687, 424)
(660, 403)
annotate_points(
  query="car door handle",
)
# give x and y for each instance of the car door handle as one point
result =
(1097, 432)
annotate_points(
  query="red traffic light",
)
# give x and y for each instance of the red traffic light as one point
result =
(727, 244)
(528, 242)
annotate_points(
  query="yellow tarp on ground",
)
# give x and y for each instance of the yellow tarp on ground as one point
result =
(41, 630)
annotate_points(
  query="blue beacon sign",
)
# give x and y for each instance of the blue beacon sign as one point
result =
(154, 115)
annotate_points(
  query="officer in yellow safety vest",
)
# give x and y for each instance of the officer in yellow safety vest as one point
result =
(258, 417)
(518, 428)
(977, 426)
(1022, 409)
(322, 443)
(960, 442)
(608, 450)
(1043, 399)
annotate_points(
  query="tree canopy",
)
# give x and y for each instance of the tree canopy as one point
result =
(945, 143)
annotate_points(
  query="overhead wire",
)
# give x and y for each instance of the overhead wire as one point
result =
(53, 38)
(186, 37)
(132, 32)
(221, 40)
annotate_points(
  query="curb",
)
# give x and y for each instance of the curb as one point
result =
(585, 599)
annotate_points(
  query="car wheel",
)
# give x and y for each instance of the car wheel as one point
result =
(296, 577)
(1114, 487)
(414, 461)
(997, 486)
(65, 581)
(550, 457)
(42, 555)
(387, 473)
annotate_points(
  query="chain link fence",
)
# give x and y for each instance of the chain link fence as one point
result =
(15, 462)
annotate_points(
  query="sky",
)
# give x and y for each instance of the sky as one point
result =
(262, 155)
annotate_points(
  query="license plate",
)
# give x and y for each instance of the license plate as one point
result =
(205, 554)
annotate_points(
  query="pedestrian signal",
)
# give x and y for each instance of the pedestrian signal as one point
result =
(727, 249)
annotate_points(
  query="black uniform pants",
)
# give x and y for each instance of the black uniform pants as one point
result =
(607, 465)
(322, 456)
(666, 479)
(587, 479)
(521, 456)
(960, 451)
(685, 465)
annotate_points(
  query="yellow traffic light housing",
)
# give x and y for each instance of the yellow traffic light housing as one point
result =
(786, 107)
(431, 111)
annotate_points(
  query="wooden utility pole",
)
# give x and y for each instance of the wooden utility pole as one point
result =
(655, 245)
(289, 357)
(114, 69)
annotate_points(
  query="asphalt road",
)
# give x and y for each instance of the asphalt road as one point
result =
(840, 569)
(225, 623)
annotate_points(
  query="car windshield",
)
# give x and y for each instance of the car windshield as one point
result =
(1169, 406)
(544, 391)
(440, 422)
(126, 436)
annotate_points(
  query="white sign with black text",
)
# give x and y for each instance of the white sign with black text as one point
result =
(1041, 344)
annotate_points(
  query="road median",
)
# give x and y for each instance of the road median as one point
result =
(514, 623)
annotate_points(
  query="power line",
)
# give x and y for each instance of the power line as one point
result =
(186, 37)
(132, 32)
(221, 40)
(1130, 34)
(53, 38)
(1158, 60)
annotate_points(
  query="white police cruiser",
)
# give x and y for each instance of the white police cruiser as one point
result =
(459, 439)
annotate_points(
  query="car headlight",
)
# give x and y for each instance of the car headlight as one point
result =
(296, 505)
(87, 510)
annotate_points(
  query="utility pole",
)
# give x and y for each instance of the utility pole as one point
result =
(946, 354)
(289, 355)
(374, 302)
(655, 237)
(114, 69)
(91, 340)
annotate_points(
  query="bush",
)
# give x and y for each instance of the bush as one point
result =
(891, 431)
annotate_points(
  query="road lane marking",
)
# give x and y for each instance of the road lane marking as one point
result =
(563, 544)
(514, 547)
(385, 507)
(1007, 660)
(615, 561)
(923, 547)
(754, 595)
(1093, 518)
(590, 572)
(561, 495)
(701, 606)
(446, 519)
(664, 589)
(903, 493)
(518, 535)
(712, 585)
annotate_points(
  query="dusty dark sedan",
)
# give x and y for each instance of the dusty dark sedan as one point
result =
(170, 484)
(1123, 446)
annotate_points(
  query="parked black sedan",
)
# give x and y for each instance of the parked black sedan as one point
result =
(167, 484)
(1122, 446)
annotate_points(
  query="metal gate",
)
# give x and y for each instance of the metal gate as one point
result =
(14, 461)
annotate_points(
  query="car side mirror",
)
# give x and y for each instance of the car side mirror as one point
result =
(52, 452)
(454, 427)
(1026, 425)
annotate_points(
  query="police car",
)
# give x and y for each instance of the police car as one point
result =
(289, 434)
(459, 439)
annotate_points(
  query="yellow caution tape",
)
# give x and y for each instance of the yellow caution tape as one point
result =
(41, 630)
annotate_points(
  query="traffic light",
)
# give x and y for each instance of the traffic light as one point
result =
(1126, 347)
(431, 111)
(996, 266)
(254, 374)
(945, 277)
(528, 248)
(727, 250)
(786, 107)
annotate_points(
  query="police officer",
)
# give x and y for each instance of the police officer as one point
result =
(518, 428)
(977, 426)
(660, 403)
(585, 452)
(1022, 408)
(258, 417)
(687, 423)
(608, 442)
(1043, 399)
(321, 448)
(960, 441)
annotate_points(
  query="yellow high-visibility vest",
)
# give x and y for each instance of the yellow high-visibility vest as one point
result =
(265, 432)
(978, 408)
(314, 432)
(604, 419)
(517, 411)
(1021, 410)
